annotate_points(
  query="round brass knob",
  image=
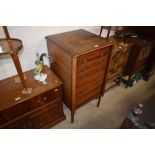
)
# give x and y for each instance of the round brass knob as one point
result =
(45, 98)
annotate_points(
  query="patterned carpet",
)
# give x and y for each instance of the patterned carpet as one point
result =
(114, 107)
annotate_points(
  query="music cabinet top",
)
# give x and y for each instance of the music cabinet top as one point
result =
(79, 42)
(9, 90)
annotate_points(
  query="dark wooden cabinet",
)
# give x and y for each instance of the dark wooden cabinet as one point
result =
(118, 59)
(80, 59)
(40, 109)
(145, 42)
(150, 67)
(139, 56)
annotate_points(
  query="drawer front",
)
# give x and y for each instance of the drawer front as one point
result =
(101, 61)
(87, 86)
(87, 96)
(45, 115)
(2, 119)
(40, 100)
(18, 124)
(29, 105)
(38, 118)
(88, 80)
(89, 57)
(91, 72)
(9, 114)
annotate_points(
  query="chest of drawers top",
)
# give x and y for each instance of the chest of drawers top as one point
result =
(79, 42)
(9, 90)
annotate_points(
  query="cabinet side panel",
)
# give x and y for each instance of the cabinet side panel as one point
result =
(61, 63)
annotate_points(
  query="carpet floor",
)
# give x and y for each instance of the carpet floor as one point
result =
(114, 108)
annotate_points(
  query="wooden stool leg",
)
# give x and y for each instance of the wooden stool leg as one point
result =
(72, 116)
(99, 101)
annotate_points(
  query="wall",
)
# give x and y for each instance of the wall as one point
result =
(2, 34)
(33, 38)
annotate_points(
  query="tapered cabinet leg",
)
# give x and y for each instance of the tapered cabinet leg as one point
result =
(99, 101)
(72, 116)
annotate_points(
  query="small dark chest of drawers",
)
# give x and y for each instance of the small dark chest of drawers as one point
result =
(40, 109)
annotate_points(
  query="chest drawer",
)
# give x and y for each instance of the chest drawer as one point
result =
(9, 114)
(95, 55)
(2, 119)
(46, 114)
(22, 108)
(18, 124)
(40, 100)
(91, 72)
(89, 86)
(38, 118)
(87, 96)
(92, 64)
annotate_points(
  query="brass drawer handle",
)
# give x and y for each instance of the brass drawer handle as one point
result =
(38, 101)
(85, 61)
(115, 58)
(55, 90)
(100, 61)
(44, 98)
(102, 55)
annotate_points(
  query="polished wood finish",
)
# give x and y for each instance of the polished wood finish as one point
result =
(40, 109)
(147, 34)
(80, 59)
(118, 59)
(139, 56)
(150, 67)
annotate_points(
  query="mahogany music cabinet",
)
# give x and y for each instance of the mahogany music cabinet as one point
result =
(80, 59)
(40, 109)
(119, 58)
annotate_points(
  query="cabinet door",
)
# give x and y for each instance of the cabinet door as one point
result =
(142, 59)
(117, 62)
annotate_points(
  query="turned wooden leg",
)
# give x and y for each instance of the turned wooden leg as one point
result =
(99, 101)
(72, 116)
